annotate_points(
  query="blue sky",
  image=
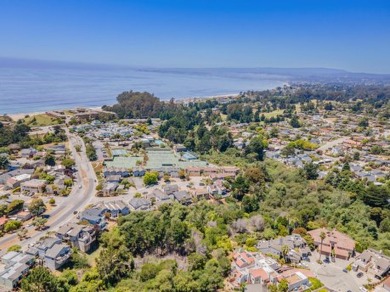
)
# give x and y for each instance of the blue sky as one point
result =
(346, 34)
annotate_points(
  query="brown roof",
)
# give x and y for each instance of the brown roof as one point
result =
(335, 237)
(259, 273)
(3, 220)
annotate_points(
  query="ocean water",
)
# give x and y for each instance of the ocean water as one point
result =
(31, 89)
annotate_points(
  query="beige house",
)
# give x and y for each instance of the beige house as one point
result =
(33, 186)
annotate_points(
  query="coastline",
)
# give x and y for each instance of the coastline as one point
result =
(17, 116)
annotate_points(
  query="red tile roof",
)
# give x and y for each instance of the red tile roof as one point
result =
(259, 273)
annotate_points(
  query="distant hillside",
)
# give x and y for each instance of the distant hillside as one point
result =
(284, 74)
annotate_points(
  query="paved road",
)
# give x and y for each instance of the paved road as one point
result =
(332, 275)
(333, 143)
(81, 195)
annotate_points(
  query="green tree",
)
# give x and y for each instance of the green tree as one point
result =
(285, 251)
(150, 178)
(148, 271)
(283, 286)
(256, 146)
(40, 279)
(3, 162)
(15, 247)
(288, 150)
(363, 123)
(79, 260)
(184, 282)
(37, 207)
(114, 264)
(294, 122)
(12, 225)
(311, 171)
(274, 133)
(39, 222)
(376, 149)
(15, 206)
(50, 160)
(322, 236)
(68, 163)
(68, 182)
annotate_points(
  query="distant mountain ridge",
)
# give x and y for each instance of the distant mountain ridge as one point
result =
(20, 62)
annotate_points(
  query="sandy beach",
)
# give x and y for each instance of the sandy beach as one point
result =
(18, 116)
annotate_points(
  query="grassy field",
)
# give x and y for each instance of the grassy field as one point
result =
(41, 120)
(273, 113)
(93, 255)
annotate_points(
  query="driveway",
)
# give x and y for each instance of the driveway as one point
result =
(333, 277)
(333, 143)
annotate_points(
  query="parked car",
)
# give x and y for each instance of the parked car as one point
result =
(345, 270)
(326, 260)
(359, 275)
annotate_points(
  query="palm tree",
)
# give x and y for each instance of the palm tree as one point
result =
(322, 236)
(285, 250)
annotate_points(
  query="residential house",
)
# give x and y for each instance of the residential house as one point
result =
(297, 248)
(123, 172)
(15, 181)
(231, 170)
(252, 268)
(296, 279)
(14, 266)
(374, 261)
(110, 188)
(189, 156)
(183, 197)
(217, 189)
(94, 216)
(79, 236)
(170, 189)
(28, 153)
(337, 151)
(53, 253)
(59, 149)
(114, 208)
(208, 171)
(200, 193)
(23, 216)
(33, 186)
(180, 148)
(114, 178)
(140, 204)
(5, 176)
(138, 171)
(159, 196)
(194, 171)
(335, 244)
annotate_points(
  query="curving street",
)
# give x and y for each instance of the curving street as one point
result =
(81, 195)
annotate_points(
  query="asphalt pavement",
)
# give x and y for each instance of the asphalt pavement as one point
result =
(82, 193)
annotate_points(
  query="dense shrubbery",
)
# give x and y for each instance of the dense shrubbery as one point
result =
(267, 201)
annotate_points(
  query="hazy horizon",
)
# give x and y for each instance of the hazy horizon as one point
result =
(25, 62)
